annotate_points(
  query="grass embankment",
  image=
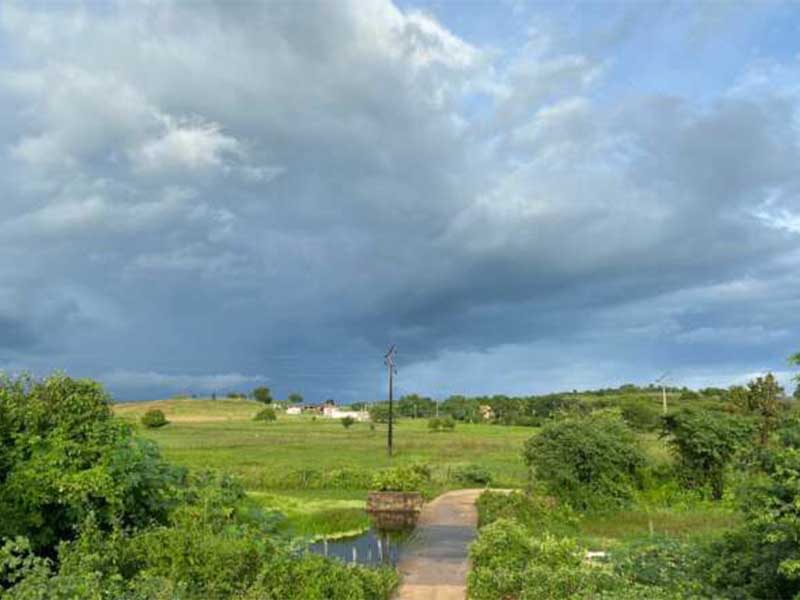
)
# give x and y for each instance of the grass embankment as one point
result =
(273, 459)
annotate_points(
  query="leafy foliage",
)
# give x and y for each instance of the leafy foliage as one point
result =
(473, 475)
(265, 414)
(508, 562)
(64, 457)
(641, 415)
(704, 443)
(590, 462)
(401, 479)
(348, 422)
(416, 406)
(441, 424)
(534, 512)
(154, 418)
(761, 400)
(262, 394)
(87, 510)
(379, 412)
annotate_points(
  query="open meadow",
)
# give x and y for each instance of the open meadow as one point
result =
(317, 473)
(287, 464)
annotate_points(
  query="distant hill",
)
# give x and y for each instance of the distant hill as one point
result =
(192, 410)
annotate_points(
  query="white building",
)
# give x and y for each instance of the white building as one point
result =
(334, 413)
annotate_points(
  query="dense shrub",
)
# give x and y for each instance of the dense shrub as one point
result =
(266, 415)
(347, 422)
(551, 406)
(446, 423)
(401, 479)
(509, 562)
(704, 443)
(641, 415)
(661, 562)
(534, 512)
(760, 559)
(154, 418)
(64, 457)
(590, 462)
(472, 475)
(87, 510)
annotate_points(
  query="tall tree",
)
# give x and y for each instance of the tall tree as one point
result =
(263, 395)
(761, 399)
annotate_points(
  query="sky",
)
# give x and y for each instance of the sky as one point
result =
(205, 197)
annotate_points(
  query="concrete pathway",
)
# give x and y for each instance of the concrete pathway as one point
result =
(434, 564)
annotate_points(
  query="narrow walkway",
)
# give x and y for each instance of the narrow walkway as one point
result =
(434, 565)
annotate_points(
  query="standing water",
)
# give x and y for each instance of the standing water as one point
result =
(373, 547)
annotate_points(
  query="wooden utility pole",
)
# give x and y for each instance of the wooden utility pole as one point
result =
(389, 361)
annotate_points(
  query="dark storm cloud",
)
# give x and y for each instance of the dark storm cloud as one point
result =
(211, 196)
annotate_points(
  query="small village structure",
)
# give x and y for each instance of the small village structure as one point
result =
(328, 410)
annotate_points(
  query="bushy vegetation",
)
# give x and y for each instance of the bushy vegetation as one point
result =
(641, 406)
(154, 418)
(266, 415)
(472, 474)
(379, 412)
(401, 479)
(640, 414)
(589, 462)
(528, 547)
(441, 423)
(88, 510)
(531, 510)
(705, 443)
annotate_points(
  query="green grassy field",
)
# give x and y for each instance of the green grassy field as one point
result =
(266, 457)
(274, 459)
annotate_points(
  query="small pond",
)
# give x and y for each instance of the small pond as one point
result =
(373, 547)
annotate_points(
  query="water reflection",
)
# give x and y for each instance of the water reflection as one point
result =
(373, 547)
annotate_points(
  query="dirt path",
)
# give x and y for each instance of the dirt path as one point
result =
(434, 565)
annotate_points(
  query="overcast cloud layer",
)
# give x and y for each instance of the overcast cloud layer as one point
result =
(202, 197)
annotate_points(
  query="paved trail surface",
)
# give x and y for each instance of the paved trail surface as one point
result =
(434, 564)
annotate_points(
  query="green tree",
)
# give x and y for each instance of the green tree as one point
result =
(64, 458)
(295, 398)
(348, 422)
(262, 394)
(415, 406)
(705, 442)
(765, 394)
(589, 462)
(760, 400)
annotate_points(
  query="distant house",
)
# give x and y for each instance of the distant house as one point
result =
(332, 412)
(328, 409)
